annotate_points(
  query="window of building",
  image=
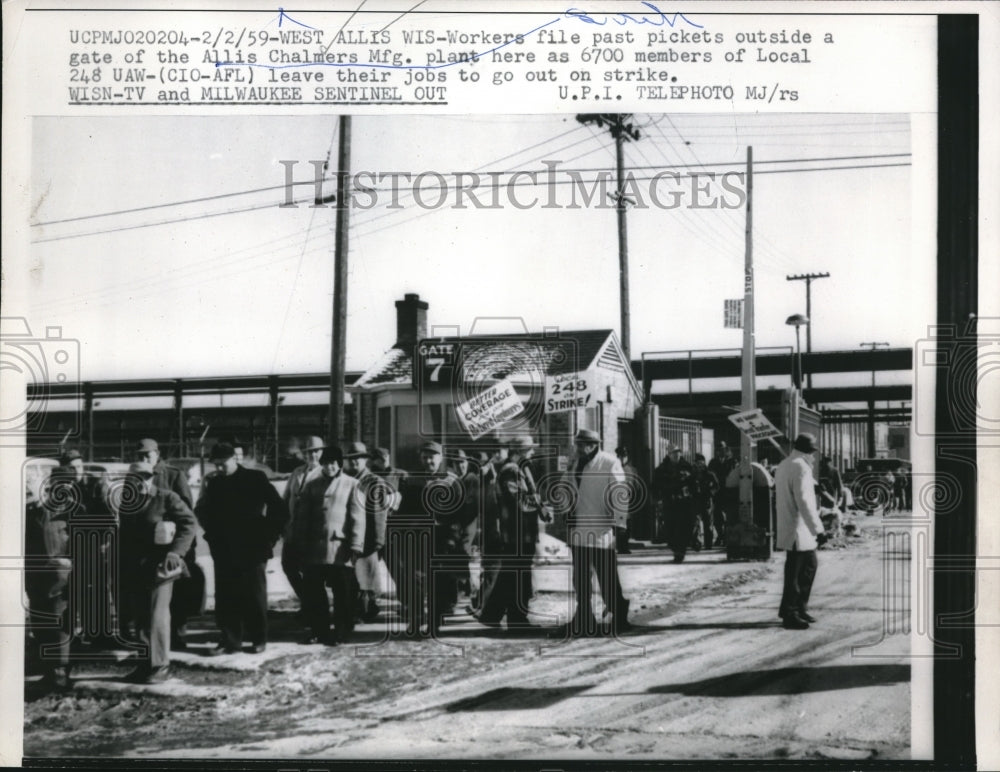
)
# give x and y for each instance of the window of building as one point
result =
(383, 436)
(415, 425)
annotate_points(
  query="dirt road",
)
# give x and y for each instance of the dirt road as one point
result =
(707, 673)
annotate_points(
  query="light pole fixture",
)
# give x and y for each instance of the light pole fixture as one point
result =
(797, 321)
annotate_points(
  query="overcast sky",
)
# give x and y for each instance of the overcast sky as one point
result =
(250, 292)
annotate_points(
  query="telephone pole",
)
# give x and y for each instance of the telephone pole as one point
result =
(808, 279)
(335, 426)
(622, 132)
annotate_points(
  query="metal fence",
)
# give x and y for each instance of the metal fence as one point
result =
(684, 433)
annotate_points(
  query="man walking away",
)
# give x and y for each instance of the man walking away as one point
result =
(243, 516)
(798, 527)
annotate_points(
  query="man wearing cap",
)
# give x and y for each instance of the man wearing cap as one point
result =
(798, 526)
(243, 516)
(189, 590)
(467, 523)
(674, 482)
(422, 497)
(291, 562)
(595, 511)
(48, 575)
(382, 466)
(377, 499)
(329, 535)
(510, 530)
(155, 529)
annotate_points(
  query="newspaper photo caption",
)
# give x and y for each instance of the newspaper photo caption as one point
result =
(620, 56)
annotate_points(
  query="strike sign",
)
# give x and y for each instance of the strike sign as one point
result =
(754, 425)
(489, 409)
(568, 391)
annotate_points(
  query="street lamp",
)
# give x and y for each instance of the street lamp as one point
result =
(797, 320)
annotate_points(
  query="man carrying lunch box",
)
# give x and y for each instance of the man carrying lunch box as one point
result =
(155, 530)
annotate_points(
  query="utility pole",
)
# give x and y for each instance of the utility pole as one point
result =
(338, 341)
(621, 131)
(745, 539)
(808, 279)
(871, 402)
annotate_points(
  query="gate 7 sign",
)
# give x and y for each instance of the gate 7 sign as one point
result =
(436, 364)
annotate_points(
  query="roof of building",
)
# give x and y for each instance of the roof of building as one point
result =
(521, 357)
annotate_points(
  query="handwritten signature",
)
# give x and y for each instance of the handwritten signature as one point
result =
(622, 19)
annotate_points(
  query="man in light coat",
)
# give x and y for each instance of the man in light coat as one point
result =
(798, 526)
(592, 538)
(328, 535)
(291, 565)
(378, 498)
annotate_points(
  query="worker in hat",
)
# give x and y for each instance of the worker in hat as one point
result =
(155, 530)
(721, 465)
(428, 497)
(594, 512)
(377, 498)
(328, 534)
(466, 525)
(48, 577)
(291, 564)
(674, 485)
(510, 531)
(189, 591)
(243, 517)
(799, 530)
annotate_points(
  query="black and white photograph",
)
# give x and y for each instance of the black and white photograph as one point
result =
(416, 434)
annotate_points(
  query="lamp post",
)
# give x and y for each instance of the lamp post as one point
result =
(797, 320)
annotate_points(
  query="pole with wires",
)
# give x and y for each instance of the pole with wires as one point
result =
(338, 343)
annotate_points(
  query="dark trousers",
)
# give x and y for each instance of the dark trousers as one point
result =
(708, 528)
(188, 595)
(316, 602)
(681, 518)
(48, 616)
(505, 589)
(149, 609)
(294, 572)
(605, 563)
(240, 602)
(800, 570)
(408, 560)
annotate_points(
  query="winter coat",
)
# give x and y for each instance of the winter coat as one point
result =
(511, 510)
(377, 497)
(329, 521)
(242, 515)
(167, 478)
(296, 485)
(139, 554)
(798, 520)
(597, 507)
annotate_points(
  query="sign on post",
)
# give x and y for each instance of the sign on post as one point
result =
(489, 409)
(754, 424)
(568, 391)
(733, 314)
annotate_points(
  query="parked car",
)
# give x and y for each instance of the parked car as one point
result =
(36, 471)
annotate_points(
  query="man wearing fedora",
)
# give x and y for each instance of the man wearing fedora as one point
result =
(798, 526)
(291, 563)
(155, 530)
(377, 499)
(510, 530)
(592, 540)
(329, 536)
(243, 517)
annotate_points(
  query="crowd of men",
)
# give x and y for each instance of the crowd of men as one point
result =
(345, 512)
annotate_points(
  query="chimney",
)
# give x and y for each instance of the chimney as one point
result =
(411, 320)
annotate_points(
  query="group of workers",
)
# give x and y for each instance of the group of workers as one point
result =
(345, 511)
